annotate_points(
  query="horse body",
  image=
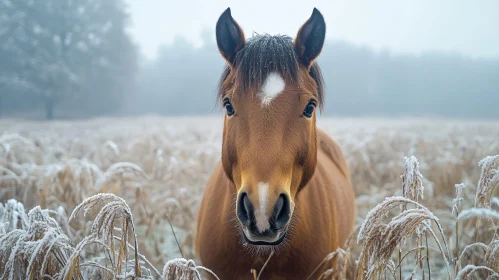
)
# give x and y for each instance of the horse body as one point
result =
(323, 223)
(282, 184)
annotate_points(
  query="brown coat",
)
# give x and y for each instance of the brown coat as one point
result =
(324, 220)
(282, 185)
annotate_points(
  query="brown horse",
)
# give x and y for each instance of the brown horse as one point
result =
(282, 185)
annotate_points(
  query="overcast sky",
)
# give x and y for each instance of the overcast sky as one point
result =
(469, 27)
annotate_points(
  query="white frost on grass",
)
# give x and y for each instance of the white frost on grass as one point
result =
(489, 179)
(178, 155)
(13, 215)
(122, 172)
(412, 179)
(182, 269)
(456, 202)
(478, 213)
(38, 249)
(467, 272)
(376, 215)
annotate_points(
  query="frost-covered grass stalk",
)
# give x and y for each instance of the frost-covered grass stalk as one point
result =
(154, 169)
(456, 202)
(379, 239)
(33, 245)
(412, 179)
(489, 179)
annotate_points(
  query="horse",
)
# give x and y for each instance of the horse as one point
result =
(282, 186)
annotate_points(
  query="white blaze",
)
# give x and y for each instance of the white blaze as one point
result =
(262, 220)
(273, 85)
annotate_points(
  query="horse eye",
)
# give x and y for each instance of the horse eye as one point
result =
(228, 107)
(309, 109)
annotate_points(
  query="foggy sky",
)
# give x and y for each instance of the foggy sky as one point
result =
(467, 27)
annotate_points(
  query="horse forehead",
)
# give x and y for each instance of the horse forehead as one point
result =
(272, 86)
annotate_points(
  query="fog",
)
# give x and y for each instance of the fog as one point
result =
(80, 59)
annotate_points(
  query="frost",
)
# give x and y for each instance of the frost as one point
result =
(470, 269)
(159, 167)
(113, 147)
(492, 256)
(412, 179)
(182, 269)
(11, 141)
(456, 202)
(478, 213)
(489, 179)
(380, 240)
(38, 249)
(120, 174)
(9, 178)
(376, 215)
(103, 226)
(13, 216)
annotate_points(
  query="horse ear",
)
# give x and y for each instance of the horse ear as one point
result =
(310, 38)
(230, 37)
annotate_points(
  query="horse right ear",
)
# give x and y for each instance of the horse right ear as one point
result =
(230, 37)
(310, 38)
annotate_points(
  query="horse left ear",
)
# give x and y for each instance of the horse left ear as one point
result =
(230, 36)
(310, 38)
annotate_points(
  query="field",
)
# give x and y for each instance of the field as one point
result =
(159, 166)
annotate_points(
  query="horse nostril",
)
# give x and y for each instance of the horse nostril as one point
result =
(244, 209)
(282, 212)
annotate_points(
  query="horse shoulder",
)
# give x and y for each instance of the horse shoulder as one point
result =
(212, 213)
(332, 150)
(341, 193)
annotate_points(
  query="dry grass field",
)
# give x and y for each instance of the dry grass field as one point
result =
(102, 199)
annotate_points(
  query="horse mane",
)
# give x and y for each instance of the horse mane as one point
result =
(264, 54)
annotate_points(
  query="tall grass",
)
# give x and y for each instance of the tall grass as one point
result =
(117, 198)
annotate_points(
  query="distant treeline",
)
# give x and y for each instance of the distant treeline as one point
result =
(65, 58)
(359, 82)
(99, 74)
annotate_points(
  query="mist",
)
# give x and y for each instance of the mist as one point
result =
(359, 82)
(78, 60)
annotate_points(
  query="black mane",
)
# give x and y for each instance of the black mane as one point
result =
(264, 54)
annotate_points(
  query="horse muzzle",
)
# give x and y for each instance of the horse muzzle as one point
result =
(266, 238)
(260, 229)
